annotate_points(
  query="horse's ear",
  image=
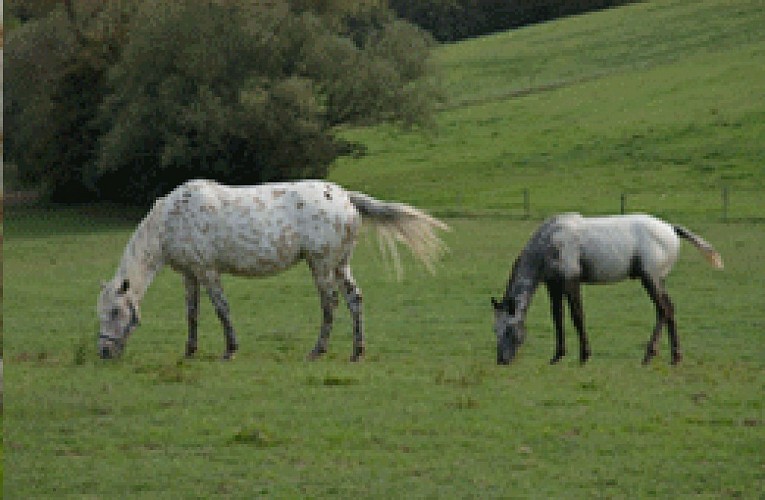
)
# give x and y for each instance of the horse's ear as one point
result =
(125, 286)
(495, 303)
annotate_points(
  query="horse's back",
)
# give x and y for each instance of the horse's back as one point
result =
(612, 248)
(255, 230)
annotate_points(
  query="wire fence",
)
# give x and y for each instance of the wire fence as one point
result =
(727, 205)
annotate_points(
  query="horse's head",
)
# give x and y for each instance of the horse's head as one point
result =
(509, 328)
(118, 315)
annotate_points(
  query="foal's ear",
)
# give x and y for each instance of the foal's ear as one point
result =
(125, 286)
(496, 304)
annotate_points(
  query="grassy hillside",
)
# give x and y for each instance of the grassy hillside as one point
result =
(660, 100)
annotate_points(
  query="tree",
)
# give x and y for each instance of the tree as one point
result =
(242, 91)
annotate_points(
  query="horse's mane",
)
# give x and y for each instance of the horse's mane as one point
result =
(142, 257)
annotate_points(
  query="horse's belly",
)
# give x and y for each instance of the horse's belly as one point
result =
(258, 254)
(606, 265)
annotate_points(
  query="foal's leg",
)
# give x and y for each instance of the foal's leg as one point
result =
(192, 311)
(655, 293)
(555, 290)
(353, 298)
(219, 302)
(573, 292)
(326, 285)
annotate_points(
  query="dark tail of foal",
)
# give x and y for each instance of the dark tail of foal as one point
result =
(712, 255)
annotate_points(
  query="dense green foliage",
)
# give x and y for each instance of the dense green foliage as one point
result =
(450, 20)
(131, 99)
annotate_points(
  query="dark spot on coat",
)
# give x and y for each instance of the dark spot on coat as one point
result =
(300, 204)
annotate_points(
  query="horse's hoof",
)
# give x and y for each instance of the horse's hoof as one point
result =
(676, 358)
(555, 359)
(314, 355)
(584, 355)
(228, 356)
(357, 355)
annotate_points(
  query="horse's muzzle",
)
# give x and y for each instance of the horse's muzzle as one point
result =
(108, 347)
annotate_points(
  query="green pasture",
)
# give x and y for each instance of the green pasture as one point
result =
(662, 101)
(428, 413)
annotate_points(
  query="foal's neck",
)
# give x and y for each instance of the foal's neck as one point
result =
(142, 258)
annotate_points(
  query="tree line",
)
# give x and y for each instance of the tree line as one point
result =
(106, 99)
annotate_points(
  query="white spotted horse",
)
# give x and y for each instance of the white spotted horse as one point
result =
(568, 249)
(203, 229)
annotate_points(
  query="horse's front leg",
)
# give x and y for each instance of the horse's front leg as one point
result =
(555, 290)
(574, 295)
(192, 311)
(219, 302)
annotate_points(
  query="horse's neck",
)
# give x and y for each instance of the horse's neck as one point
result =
(522, 284)
(142, 258)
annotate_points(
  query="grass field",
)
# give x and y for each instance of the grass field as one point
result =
(428, 413)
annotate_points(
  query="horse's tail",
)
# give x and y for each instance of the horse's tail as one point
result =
(712, 255)
(403, 223)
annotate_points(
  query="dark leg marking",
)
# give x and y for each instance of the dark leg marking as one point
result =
(354, 299)
(325, 284)
(192, 312)
(219, 302)
(574, 295)
(555, 290)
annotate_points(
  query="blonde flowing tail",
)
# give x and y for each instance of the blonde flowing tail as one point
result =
(712, 255)
(398, 222)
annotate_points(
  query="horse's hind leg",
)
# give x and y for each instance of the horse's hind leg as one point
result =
(573, 292)
(353, 298)
(327, 288)
(555, 290)
(674, 341)
(657, 296)
(219, 302)
(192, 311)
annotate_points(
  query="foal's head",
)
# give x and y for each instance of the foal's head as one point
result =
(509, 328)
(118, 315)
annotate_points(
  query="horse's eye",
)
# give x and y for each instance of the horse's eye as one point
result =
(115, 313)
